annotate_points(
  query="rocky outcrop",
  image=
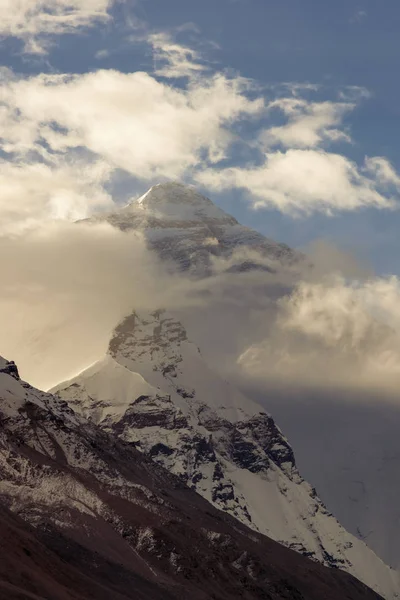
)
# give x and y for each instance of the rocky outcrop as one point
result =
(9, 368)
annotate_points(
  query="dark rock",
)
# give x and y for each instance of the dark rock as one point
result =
(10, 369)
(160, 448)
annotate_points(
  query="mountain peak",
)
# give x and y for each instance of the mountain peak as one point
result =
(186, 228)
(176, 192)
(176, 201)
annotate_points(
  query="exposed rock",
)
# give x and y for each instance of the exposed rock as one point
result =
(9, 368)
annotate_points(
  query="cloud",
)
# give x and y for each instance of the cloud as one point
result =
(359, 16)
(96, 123)
(35, 193)
(304, 181)
(383, 171)
(65, 286)
(309, 124)
(133, 121)
(297, 171)
(332, 333)
(174, 60)
(35, 22)
(107, 122)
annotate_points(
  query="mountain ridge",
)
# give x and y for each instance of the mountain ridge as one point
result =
(85, 515)
(224, 446)
(181, 225)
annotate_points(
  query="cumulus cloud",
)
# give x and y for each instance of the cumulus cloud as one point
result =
(297, 170)
(106, 121)
(303, 181)
(35, 22)
(133, 121)
(96, 123)
(35, 193)
(309, 124)
(332, 333)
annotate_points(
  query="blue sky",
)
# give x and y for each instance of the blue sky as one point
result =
(348, 50)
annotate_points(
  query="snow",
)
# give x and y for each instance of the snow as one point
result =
(154, 347)
(176, 202)
(178, 223)
(107, 380)
(350, 450)
(182, 225)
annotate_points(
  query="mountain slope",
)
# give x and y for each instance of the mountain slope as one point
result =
(215, 439)
(83, 515)
(347, 444)
(186, 229)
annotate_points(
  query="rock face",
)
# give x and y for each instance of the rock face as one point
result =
(83, 515)
(9, 368)
(186, 229)
(154, 390)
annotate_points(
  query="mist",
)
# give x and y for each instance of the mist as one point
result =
(64, 287)
(325, 321)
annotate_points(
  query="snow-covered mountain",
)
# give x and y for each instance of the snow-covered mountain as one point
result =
(348, 445)
(185, 228)
(190, 234)
(84, 515)
(156, 391)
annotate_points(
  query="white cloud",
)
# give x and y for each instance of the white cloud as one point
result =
(132, 120)
(172, 59)
(383, 171)
(34, 193)
(333, 333)
(302, 181)
(36, 21)
(120, 121)
(297, 171)
(309, 123)
(151, 130)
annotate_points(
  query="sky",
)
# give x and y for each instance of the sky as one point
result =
(284, 113)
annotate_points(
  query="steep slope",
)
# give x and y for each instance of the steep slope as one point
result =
(347, 444)
(187, 229)
(215, 439)
(83, 515)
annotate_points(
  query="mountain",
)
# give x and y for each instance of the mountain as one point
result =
(191, 235)
(155, 390)
(85, 515)
(347, 444)
(186, 229)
